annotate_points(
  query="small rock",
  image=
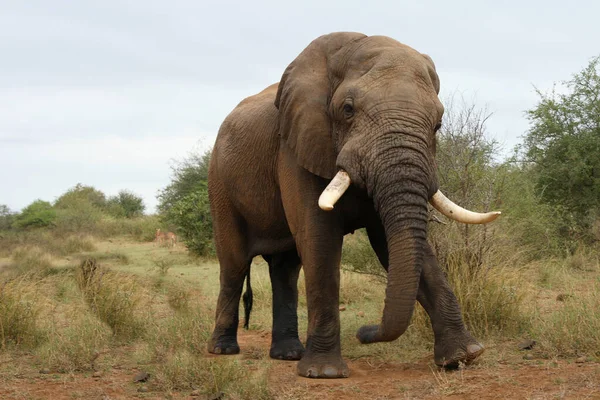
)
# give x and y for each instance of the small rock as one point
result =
(182, 274)
(342, 308)
(141, 377)
(360, 313)
(44, 371)
(563, 297)
(528, 356)
(580, 360)
(216, 396)
(97, 374)
(143, 389)
(527, 344)
(195, 393)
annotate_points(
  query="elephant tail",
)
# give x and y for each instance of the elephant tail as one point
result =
(247, 299)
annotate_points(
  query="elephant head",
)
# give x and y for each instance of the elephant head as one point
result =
(365, 110)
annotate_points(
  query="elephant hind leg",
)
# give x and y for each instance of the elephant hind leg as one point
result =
(234, 261)
(284, 269)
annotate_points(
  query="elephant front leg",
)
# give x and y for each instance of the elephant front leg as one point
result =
(321, 254)
(284, 270)
(453, 342)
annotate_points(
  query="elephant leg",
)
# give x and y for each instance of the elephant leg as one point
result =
(453, 342)
(234, 266)
(284, 269)
(321, 255)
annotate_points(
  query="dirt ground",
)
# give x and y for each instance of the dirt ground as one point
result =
(531, 379)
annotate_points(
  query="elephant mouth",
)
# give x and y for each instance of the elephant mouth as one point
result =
(341, 182)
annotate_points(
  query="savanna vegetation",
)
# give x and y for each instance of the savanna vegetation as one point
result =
(85, 294)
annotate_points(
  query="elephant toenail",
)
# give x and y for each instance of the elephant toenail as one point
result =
(474, 349)
(330, 372)
(311, 373)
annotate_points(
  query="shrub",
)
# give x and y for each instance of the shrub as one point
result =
(192, 215)
(184, 204)
(142, 228)
(6, 217)
(36, 215)
(80, 216)
(127, 204)
(81, 193)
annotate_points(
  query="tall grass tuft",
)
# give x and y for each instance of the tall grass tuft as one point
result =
(113, 297)
(19, 311)
(30, 260)
(491, 298)
(573, 328)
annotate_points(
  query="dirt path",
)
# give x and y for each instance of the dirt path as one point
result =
(536, 379)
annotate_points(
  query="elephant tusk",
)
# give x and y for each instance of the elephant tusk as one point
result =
(336, 188)
(457, 213)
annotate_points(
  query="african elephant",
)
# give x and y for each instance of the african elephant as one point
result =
(355, 114)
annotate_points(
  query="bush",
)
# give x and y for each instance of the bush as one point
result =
(36, 215)
(562, 146)
(6, 217)
(142, 229)
(80, 216)
(184, 204)
(126, 204)
(192, 215)
(81, 193)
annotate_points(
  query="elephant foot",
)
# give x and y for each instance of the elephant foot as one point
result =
(223, 345)
(323, 367)
(287, 349)
(450, 353)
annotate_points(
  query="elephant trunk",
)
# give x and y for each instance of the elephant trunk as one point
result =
(401, 181)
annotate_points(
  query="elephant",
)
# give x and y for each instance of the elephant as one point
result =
(345, 140)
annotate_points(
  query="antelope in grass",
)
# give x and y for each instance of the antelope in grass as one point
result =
(169, 237)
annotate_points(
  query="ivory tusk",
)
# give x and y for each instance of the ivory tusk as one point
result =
(457, 213)
(336, 188)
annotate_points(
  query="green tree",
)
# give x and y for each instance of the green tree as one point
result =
(563, 146)
(6, 217)
(184, 203)
(36, 215)
(126, 204)
(80, 193)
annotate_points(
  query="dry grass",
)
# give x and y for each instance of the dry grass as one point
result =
(114, 298)
(82, 317)
(19, 312)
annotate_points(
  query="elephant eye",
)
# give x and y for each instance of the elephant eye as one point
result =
(348, 110)
(437, 127)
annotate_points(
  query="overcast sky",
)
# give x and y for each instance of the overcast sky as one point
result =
(107, 92)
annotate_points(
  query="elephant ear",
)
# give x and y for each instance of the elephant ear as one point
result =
(432, 73)
(303, 98)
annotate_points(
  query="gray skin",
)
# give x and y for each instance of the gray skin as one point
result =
(368, 105)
